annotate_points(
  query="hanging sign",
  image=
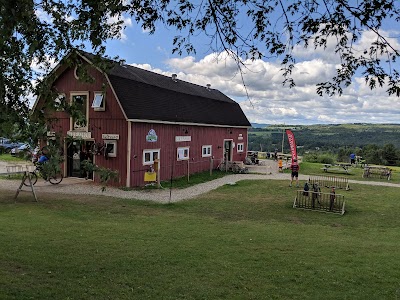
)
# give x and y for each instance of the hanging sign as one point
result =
(151, 136)
(80, 134)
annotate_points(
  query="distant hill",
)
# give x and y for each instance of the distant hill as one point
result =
(326, 136)
(257, 125)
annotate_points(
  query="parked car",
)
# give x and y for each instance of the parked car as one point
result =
(6, 145)
(20, 147)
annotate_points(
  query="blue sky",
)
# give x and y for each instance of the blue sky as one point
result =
(270, 102)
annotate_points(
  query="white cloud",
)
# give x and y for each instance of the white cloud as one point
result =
(271, 102)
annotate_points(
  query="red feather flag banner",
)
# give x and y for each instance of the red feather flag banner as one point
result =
(292, 144)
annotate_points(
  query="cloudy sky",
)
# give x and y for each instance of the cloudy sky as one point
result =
(268, 101)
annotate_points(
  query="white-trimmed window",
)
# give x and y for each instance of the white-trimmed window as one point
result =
(99, 100)
(206, 151)
(80, 101)
(111, 148)
(149, 155)
(240, 147)
(182, 153)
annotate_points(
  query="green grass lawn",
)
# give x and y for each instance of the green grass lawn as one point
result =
(237, 242)
(354, 174)
(7, 157)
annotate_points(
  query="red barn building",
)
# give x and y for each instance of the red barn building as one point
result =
(137, 116)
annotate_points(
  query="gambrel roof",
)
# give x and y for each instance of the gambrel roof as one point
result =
(147, 96)
(151, 96)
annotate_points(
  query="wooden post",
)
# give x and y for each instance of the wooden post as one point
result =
(188, 161)
(211, 166)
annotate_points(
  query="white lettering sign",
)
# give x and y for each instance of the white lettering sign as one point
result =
(108, 136)
(185, 138)
(80, 134)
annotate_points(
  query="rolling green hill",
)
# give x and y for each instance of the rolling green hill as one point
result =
(325, 137)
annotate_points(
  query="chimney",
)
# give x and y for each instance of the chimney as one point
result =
(208, 86)
(174, 76)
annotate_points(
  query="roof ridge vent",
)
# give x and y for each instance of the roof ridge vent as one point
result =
(208, 86)
(174, 77)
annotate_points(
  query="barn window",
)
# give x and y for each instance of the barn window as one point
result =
(149, 155)
(80, 103)
(240, 147)
(59, 102)
(111, 148)
(206, 151)
(183, 153)
(98, 103)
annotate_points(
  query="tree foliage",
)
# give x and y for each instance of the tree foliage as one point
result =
(38, 32)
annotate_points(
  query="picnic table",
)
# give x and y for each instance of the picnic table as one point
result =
(337, 167)
(377, 171)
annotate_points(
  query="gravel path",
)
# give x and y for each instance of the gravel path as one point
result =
(80, 187)
(76, 186)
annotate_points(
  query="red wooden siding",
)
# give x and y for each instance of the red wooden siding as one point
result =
(110, 121)
(113, 121)
(200, 136)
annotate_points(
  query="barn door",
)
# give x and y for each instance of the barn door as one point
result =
(76, 153)
(228, 150)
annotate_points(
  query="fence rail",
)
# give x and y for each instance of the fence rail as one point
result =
(330, 181)
(326, 202)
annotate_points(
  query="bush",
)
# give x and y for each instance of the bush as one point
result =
(326, 159)
(322, 158)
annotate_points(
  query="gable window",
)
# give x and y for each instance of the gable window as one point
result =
(59, 102)
(98, 103)
(80, 103)
(240, 147)
(206, 151)
(183, 153)
(149, 155)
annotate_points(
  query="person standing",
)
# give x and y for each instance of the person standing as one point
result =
(295, 172)
(280, 165)
(352, 158)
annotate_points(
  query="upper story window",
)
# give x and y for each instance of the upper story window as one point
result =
(206, 151)
(98, 103)
(79, 103)
(59, 102)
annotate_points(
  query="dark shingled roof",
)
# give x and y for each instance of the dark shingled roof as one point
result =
(147, 95)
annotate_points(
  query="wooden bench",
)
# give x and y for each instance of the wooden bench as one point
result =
(26, 171)
(336, 168)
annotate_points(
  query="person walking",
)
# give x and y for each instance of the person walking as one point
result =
(295, 172)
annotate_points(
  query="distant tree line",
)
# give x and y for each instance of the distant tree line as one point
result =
(376, 144)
